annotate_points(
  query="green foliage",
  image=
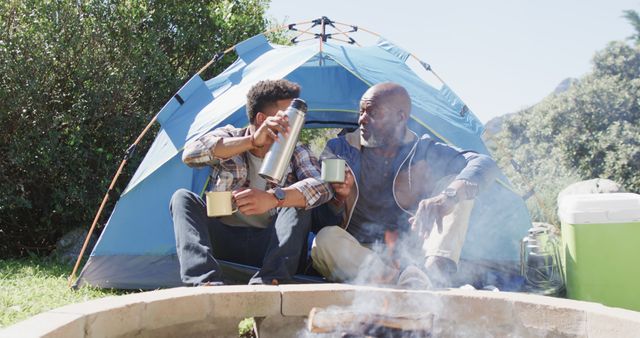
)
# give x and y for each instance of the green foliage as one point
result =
(80, 81)
(31, 286)
(316, 138)
(634, 20)
(245, 328)
(589, 131)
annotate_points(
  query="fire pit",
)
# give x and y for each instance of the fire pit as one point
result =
(362, 323)
(216, 311)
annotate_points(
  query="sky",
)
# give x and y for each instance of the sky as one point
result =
(498, 56)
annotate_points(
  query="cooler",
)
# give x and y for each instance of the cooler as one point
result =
(601, 248)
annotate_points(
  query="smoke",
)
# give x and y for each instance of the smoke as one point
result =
(398, 252)
(490, 258)
(370, 304)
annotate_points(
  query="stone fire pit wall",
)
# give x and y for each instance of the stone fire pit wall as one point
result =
(216, 312)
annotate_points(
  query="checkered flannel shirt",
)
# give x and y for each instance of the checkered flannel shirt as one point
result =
(303, 173)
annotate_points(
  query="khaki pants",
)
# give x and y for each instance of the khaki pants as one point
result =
(340, 257)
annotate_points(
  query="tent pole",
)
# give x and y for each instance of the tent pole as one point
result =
(301, 33)
(128, 155)
(322, 35)
(217, 57)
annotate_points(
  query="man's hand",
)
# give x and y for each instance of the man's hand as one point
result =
(343, 190)
(270, 130)
(254, 201)
(429, 211)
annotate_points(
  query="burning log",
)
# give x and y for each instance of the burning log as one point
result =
(352, 323)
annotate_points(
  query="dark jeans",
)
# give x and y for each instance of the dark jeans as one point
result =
(199, 238)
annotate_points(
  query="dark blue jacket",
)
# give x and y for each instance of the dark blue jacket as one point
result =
(417, 171)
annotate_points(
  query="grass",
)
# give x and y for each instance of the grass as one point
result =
(35, 285)
(245, 328)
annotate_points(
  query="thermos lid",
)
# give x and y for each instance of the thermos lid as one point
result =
(299, 104)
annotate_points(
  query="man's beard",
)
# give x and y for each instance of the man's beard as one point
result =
(372, 142)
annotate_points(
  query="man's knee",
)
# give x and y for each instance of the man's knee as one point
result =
(330, 240)
(298, 219)
(327, 236)
(323, 250)
(180, 199)
(440, 263)
(440, 270)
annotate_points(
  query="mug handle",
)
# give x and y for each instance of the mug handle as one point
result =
(234, 206)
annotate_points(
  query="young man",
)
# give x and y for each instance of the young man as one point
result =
(405, 203)
(272, 223)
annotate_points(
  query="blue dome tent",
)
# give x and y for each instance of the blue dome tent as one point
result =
(137, 247)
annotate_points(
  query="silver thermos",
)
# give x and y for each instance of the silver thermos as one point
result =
(277, 160)
(540, 261)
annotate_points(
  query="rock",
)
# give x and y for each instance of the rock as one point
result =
(68, 247)
(565, 85)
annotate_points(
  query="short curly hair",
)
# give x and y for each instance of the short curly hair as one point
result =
(266, 93)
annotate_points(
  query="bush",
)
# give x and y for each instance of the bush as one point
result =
(80, 81)
(589, 131)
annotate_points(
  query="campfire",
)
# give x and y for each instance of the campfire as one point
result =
(346, 322)
(340, 311)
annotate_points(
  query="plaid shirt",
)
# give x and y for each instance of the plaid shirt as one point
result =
(303, 173)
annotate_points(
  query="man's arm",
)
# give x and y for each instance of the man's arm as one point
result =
(472, 171)
(221, 143)
(267, 133)
(293, 198)
(477, 171)
(212, 147)
(312, 188)
(308, 192)
(231, 146)
(203, 151)
(255, 201)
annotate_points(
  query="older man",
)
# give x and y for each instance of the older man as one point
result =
(405, 202)
(271, 225)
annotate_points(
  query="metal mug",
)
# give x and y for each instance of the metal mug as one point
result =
(220, 203)
(332, 170)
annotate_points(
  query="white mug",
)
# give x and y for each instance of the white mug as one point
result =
(220, 203)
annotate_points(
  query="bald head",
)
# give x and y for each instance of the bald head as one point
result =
(384, 112)
(390, 97)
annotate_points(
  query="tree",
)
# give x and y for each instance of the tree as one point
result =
(634, 20)
(80, 81)
(591, 130)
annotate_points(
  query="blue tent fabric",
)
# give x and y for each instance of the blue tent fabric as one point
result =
(137, 246)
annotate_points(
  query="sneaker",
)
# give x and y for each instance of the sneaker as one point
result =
(414, 278)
